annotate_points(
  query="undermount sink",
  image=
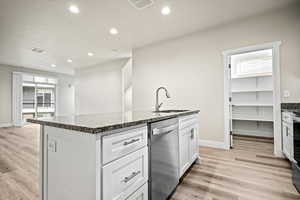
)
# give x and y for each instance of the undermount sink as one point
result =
(169, 111)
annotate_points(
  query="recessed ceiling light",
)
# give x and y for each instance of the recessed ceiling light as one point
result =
(165, 10)
(74, 9)
(53, 65)
(70, 60)
(90, 54)
(113, 31)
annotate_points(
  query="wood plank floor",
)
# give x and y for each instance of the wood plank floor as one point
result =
(247, 172)
(19, 163)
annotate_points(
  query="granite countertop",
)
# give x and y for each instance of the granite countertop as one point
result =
(296, 111)
(292, 108)
(97, 123)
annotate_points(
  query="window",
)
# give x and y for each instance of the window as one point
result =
(47, 99)
(252, 64)
(38, 98)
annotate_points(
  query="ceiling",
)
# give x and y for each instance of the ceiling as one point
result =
(48, 25)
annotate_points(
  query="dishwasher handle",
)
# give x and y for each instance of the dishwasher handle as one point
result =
(164, 130)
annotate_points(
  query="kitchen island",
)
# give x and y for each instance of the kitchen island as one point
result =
(106, 156)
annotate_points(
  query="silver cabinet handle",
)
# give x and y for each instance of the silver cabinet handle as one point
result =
(287, 131)
(131, 141)
(192, 133)
(128, 178)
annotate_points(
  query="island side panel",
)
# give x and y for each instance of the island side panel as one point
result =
(69, 167)
(41, 163)
(98, 168)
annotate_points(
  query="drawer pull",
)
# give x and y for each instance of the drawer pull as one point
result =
(131, 141)
(128, 178)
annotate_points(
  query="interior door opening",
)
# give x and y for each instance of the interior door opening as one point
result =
(251, 93)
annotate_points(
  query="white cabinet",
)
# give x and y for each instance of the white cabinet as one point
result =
(125, 175)
(77, 165)
(287, 135)
(291, 143)
(188, 142)
(194, 147)
(140, 194)
(106, 166)
(116, 146)
(285, 139)
(125, 165)
(184, 150)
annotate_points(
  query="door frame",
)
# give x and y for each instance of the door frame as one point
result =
(276, 91)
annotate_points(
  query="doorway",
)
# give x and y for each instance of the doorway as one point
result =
(252, 94)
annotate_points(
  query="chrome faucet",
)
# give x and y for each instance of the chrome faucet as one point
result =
(158, 105)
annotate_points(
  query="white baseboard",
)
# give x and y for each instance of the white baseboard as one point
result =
(213, 144)
(4, 125)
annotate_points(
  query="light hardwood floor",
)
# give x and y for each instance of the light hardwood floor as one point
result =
(19, 163)
(247, 172)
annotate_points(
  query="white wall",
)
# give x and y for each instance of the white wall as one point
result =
(66, 96)
(65, 100)
(127, 86)
(5, 96)
(98, 89)
(191, 67)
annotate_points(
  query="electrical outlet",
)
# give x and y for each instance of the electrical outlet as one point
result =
(286, 94)
(52, 146)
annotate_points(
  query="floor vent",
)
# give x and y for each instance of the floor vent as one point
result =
(141, 4)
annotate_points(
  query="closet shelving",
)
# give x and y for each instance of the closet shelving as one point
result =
(252, 104)
(267, 74)
(253, 118)
(251, 90)
(252, 98)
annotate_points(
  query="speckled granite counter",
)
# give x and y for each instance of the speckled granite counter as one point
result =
(292, 108)
(97, 123)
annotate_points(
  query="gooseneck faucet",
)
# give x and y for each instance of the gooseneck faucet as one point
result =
(157, 104)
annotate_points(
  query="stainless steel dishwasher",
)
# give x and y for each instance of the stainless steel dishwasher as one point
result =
(164, 159)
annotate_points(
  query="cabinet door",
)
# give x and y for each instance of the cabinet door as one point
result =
(184, 150)
(290, 145)
(194, 150)
(285, 140)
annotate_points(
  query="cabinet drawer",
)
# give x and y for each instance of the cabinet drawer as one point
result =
(187, 121)
(140, 194)
(117, 145)
(125, 175)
